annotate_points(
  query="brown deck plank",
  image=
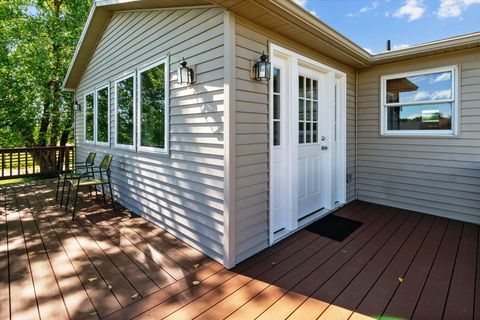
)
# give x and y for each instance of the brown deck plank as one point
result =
(375, 302)
(131, 242)
(4, 286)
(461, 296)
(121, 286)
(476, 314)
(102, 298)
(23, 303)
(367, 263)
(125, 224)
(285, 260)
(275, 297)
(434, 295)
(344, 305)
(47, 292)
(174, 289)
(135, 259)
(408, 292)
(337, 272)
(76, 299)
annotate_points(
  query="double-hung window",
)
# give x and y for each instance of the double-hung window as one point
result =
(141, 109)
(420, 103)
(102, 115)
(89, 118)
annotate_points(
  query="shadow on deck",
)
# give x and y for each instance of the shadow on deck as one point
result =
(116, 265)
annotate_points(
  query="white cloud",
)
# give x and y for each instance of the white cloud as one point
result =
(302, 3)
(368, 50)
(374, 5)
(413, 9)
(400, 46)
(442, 94)
(453, 8)
(443, 77)
(420, 95)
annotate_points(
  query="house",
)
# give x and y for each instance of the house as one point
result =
(230, 164)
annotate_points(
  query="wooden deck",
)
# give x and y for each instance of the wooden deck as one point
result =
(115, 265)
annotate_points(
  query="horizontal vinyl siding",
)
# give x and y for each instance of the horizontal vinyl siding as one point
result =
(439, 176)
(252, 145)
(182, 192)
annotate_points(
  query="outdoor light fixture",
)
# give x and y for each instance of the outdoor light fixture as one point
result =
(185, 75)
(78, 106)
(261, 69)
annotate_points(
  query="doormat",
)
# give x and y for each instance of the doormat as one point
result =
(334, 227)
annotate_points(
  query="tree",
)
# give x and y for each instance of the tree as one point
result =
(38, 38)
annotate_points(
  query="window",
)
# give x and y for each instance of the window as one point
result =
(307, 110)
(102, 115)
(89, 127)
(124, 112)
(276, 106)
(152, 108)
(420, 103)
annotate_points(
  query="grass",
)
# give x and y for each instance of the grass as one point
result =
(18, 180)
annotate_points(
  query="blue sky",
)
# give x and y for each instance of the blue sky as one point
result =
(369, 23)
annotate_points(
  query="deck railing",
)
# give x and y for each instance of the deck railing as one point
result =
(39, 161)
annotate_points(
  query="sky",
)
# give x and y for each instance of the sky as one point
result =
(369, 23)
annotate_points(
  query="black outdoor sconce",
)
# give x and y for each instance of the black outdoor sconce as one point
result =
(261, 70)
(185, 75)
(78, 106)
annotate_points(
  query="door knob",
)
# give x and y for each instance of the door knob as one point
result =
(324, 147)
(323, 138)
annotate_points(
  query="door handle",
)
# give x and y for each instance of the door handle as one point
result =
(324, 147)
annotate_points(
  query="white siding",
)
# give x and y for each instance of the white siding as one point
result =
(439, 176)
(182, 192)
(252, 172)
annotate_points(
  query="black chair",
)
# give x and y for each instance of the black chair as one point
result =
(78, 169)
(90, 179)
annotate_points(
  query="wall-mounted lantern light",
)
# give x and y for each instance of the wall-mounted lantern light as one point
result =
(261, 69)
(78, 106)
(185, 75)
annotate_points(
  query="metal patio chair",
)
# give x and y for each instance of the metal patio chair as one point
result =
(98, 176)
(78, 169)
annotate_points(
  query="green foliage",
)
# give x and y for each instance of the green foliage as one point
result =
(125, 111)
(38, 40)
(153, 107)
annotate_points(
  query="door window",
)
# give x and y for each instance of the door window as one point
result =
(307, 110)
(276, 106)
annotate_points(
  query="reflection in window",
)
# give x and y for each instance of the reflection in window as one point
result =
(152, 107)
(419, 88)
(276, 106)
(307, 110)
(89, 125)
(423, 117)
(102, 115)
(420, 102)
(125, 100)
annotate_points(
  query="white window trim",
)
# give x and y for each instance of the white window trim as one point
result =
(85, 117)
(166, 61)
(101, 143)
(422, 133)
(133, 145)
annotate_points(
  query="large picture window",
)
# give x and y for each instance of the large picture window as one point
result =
(102, 115)
(124, 112)
(420, 103)
(89, 117)
(152, 110)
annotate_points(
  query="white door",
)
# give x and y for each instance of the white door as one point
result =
(279, 144)
(302, 141)
(311, 141)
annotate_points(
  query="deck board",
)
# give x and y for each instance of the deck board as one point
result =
(56, 268)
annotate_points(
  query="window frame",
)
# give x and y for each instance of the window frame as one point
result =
(166, 135)
(422, 133)
(134, 140)
(85, 117)
(101, 143)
